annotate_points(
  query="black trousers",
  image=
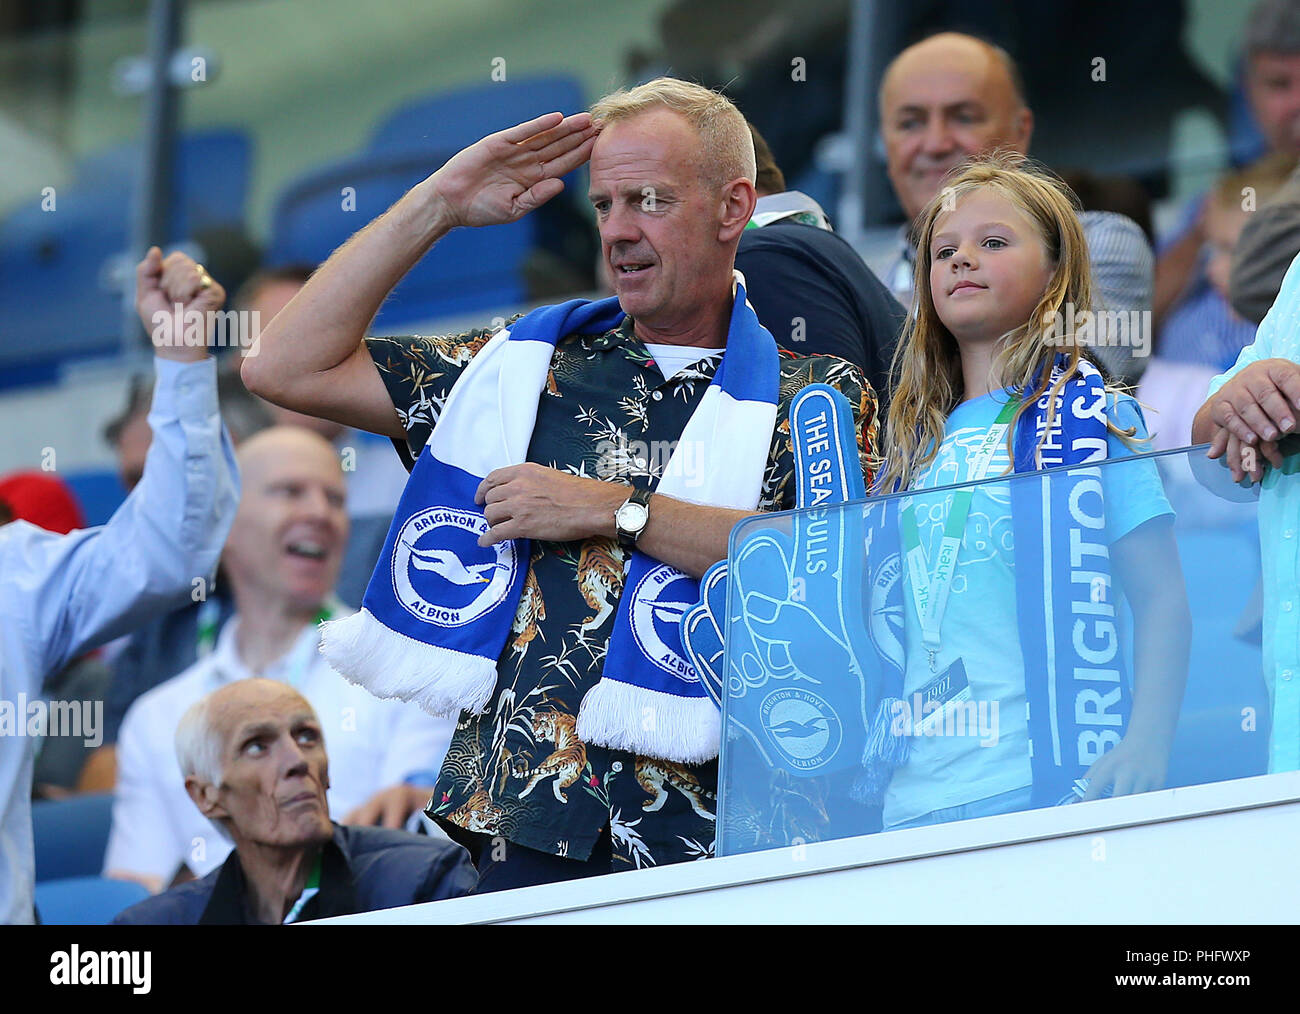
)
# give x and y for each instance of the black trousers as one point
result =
(516, 866)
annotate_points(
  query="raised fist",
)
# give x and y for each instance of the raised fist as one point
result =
(167, 292)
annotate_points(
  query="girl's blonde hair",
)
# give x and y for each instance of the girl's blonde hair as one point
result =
(925, 376)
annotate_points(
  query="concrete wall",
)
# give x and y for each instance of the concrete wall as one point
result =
(1202, 854)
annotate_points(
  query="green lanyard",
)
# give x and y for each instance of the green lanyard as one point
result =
(308, 892)
(930, 589)
(208, 613)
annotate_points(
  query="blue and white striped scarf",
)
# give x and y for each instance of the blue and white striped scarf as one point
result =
(437, 612)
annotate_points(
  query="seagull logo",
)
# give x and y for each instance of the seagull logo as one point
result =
(800, 730)
(670, 612)
(446, 564)
(656, 622)
(435, 568)
(803, 728)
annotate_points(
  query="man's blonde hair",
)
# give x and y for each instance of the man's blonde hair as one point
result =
(725, 141)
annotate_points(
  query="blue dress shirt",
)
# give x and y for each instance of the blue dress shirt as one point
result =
(63, 594)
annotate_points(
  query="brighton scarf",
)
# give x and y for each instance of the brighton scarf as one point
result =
(1079, 698)
(438, 609)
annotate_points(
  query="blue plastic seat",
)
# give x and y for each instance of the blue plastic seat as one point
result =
(210, 177)
(54, 280)
(450, 120)
(71, 835)
(99, 491)
(56, 267)
(85, 901)
(467, 271)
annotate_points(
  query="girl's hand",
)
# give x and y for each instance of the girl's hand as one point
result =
(1134, 765)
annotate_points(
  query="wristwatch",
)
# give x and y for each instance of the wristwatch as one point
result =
(631, 518)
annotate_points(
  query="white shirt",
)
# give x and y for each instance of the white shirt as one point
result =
(672, 359)
(63, 594)
(372, 745)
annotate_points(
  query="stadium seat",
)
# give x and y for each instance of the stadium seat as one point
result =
(469, 270)
(85, 901)
(450, 120)
(822, 186)
(211, 177)
(71, 835)
(55, 275)
(99, 491)
(57, 268)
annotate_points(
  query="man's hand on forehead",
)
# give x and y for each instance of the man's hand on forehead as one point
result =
(507, 174)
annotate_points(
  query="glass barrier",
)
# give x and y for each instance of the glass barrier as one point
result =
(1100, 633)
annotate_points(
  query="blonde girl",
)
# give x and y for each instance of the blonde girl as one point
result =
(987, 381)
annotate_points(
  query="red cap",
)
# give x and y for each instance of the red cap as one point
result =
(43, 499)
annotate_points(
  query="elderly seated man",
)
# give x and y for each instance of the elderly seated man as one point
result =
(282, 561)
(254, 759)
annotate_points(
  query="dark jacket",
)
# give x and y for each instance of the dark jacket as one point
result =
(1269, 242)
(800, 272)
(362, 869)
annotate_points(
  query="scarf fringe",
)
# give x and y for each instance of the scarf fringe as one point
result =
(620, 716)
(886, 750)
(392, 666)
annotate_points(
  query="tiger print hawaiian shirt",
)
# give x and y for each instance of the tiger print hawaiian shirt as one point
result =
(519, 770)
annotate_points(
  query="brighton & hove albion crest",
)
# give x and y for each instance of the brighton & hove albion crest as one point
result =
(659, 600)
(449, 579)
(885, 619)
(801, 726)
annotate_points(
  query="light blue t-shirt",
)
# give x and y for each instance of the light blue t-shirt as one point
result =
(1279, 538)
(979, 623)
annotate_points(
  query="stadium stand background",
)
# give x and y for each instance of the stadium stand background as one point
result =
(296, 102)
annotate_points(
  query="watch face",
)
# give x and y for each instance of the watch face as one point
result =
(631, 517)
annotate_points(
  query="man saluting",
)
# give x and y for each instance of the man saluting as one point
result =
(526, 442)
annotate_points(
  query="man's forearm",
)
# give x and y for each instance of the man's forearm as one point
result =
(530, 501)
(165, 536)
(688, 536)
(326, 321)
